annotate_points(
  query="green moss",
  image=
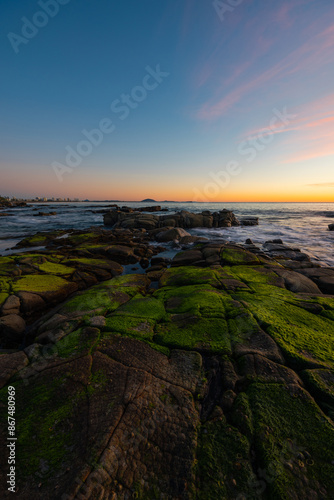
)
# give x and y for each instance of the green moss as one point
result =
(305, 338)
(137, 282)
(48, 440)
(37, 240)
(236, 257)
(191, 332)
(197, 299)
(223, 465)
(259, 279)
(241, 415)
(39, 283)
(162, 349)
(98, 380)
(77, 239)
(93, 301)
(75, 343)
(181, 276)
(57, 269)
(3, 297)
(294, 442)
(128, 325)
(321, 385)
(143, 307)
(7, 266)
(5, 286)
(104, 264)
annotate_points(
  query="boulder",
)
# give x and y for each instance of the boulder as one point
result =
(249, 221)
(11, 306)
(298, 283)
(323, 277)
(10, 364)
(12, 327)
(331, 227)
(172, 234)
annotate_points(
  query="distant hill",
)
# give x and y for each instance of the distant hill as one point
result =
(148, 200)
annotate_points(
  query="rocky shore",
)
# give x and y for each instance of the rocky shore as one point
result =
(205, 375)
(133, 218)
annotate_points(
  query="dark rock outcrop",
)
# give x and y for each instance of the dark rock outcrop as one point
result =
(182, 219)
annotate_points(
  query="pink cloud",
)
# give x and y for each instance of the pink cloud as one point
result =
(312, 54)
(310, 134)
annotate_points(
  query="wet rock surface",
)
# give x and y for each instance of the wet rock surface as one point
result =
(209, 375)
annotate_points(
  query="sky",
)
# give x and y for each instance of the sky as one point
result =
(188, 100)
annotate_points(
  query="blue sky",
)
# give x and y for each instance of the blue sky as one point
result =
(231, 71)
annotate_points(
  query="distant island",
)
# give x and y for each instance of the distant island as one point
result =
(148, 200)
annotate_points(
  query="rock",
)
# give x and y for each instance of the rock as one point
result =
(122, 254)
(323, 277)
(189, 240)
(331, 227)
(31, 302)
(249, 221)
(187, 258)
(11, 364)
(97, 321)
(254, 366)
(277, 241)
(172, 234)
(182, 219)
(11, 306)
(12, 327)
(297, 282)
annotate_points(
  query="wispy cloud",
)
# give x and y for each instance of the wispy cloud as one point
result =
(313, 54)
(309, 135)
(322, 184)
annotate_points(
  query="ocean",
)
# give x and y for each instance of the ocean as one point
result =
(301, 225)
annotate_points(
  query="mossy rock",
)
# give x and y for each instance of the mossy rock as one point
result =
(5, 286)
(237, 257)
(304, 337)
(321, 384)
(39, 283)
(294, 442)
(193, 332)
(57, 269)
(188, 275)
(79, 239)
(223, 463)
(7, 266)
(3, 297)
(197, 299)
(76, 343)
(38, 240)
(101, 263)
(103, 300)
(143, 307)
(128, 325)
(46, 444)
(258, 279)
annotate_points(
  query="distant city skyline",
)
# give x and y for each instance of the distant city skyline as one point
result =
(172, 100)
